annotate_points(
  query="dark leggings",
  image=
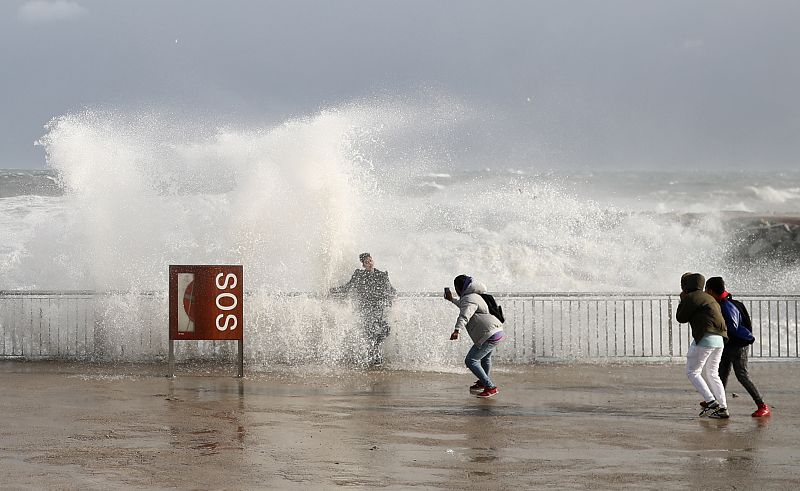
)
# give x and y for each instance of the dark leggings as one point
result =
(733, 355)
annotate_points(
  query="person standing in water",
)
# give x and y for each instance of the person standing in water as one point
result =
(484, 329)
(740, 337)
(709, 334)
(373, 295)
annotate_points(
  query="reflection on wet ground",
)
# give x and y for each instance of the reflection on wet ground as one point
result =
(559, 426)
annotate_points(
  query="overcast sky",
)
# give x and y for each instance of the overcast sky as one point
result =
(652, 84)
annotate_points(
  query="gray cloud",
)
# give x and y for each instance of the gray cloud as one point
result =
(662, 83)
(50, 11)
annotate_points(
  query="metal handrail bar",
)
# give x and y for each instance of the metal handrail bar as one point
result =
(400, 294)
(539, 325)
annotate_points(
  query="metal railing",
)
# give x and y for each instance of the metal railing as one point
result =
(629, 325)
(86, 325)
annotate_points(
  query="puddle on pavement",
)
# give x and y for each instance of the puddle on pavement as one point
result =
(431, 436)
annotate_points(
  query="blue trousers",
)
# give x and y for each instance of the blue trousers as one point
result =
(479, 362)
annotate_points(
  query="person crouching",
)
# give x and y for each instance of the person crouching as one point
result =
(485, 330)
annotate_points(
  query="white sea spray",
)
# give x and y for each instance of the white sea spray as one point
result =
(295, 203)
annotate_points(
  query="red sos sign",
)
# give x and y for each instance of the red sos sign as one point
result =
(227, 301)
(206, 302)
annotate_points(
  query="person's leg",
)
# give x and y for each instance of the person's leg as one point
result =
(474, 362)
(486, 363)
(711, 372)
(376, 329)
(740, 369)
(695, 360)
(380, 333)
(369, 329)
(725, 365)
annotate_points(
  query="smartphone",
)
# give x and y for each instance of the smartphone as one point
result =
(446, 291)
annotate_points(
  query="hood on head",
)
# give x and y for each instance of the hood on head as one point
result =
(474, 287)
(691, 282)
(465, 285)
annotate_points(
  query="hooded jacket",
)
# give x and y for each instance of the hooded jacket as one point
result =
(371, 289)
(699, 309)
(474, 314)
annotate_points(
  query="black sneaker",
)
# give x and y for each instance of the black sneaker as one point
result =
(709, 408)
(476, 388)
(720, 413)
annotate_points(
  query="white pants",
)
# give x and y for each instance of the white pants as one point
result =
(706, 360)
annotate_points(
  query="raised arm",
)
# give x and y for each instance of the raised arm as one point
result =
(347, 286)
(684, 311)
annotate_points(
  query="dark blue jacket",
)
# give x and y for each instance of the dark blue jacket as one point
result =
(733, 320)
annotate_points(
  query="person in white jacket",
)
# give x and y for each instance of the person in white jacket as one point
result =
(484, 329)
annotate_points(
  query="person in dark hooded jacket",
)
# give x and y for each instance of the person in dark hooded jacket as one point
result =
(372, 295)
(709, 334)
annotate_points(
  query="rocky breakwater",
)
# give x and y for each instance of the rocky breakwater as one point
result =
(774, 237)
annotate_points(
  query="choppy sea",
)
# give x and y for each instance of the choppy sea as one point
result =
(122, 198)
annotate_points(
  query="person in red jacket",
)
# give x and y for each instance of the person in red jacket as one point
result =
(735, 351)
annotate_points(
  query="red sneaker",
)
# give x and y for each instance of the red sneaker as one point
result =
(488, 393)
(763, 410)
(476, 388)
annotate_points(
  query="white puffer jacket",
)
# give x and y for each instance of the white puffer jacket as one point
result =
(474, 314)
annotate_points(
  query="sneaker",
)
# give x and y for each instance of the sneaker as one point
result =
(708, 407)
(476, 388)
(763, 410)
(720, 413)
(488, 393)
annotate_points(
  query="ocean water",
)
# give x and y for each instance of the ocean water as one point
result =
(124, 196)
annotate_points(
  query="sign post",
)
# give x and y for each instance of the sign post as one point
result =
(205, 303)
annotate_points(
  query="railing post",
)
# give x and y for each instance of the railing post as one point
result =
(241, 357)
(171, 359)
(669, 330)
(533, 329)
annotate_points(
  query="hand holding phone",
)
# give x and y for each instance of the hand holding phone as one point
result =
(447, 294)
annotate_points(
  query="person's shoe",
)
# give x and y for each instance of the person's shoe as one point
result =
(763, 410)
(708, 408)
(720, 413)
(476, 388)
(488, 393)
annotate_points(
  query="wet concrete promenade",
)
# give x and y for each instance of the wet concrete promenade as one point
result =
(77, 426)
